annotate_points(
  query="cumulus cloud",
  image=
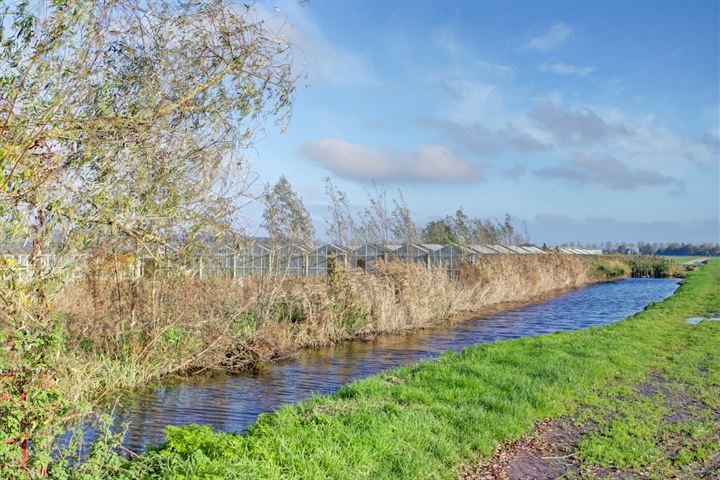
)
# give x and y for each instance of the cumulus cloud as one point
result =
(425, 164)
(545, 127)
(607, 172)
(483, 140)
(580, 127)
(556, 35)
(566, 69)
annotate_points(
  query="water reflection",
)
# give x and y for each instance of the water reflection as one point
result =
(232, 402)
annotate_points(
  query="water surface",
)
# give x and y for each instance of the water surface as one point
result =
(232, 402)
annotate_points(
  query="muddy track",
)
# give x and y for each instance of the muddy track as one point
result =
(555, 448)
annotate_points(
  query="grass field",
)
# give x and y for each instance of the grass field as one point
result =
(684, 258)
(445, 418)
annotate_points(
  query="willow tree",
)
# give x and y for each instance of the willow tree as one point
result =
(341, 228)
(286, 219)
(123, 119)
(403, 227)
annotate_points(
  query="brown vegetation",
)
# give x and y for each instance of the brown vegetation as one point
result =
(142, 329)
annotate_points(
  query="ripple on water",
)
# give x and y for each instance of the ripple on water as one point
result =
(232, 402)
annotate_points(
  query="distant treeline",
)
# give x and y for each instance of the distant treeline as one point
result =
(704, 249)
(385, 218)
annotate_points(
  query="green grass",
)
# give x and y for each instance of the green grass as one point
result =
(654, 267)
(682, 258)
(426, 420)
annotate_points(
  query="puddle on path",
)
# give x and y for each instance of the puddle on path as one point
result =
(696, 320)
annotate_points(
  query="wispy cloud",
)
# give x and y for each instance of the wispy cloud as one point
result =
(462, 53)
(642, 141)
(566, 69)
(424, 164)
(578, 127)
(480, 139)
(606, 172)
(325, 62)
(557, 34)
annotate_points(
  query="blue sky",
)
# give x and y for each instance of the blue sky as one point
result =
(590, 121)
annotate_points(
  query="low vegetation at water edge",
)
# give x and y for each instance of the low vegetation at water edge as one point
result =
(144, 329)
(432, 419)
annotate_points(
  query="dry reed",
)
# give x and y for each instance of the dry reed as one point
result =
(123, 333)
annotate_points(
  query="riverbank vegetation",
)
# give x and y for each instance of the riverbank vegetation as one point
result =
(654, 267)
(619, 266)
(432, 419)
(147, 328)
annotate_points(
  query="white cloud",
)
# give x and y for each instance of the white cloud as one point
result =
(425, 164)
(607, 172)
(643, 142)
(556, 35)
(578, 127)
(485, 141)
(325, 62)
(565, 69)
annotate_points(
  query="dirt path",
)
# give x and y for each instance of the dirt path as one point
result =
(664, 429)
(696, 261)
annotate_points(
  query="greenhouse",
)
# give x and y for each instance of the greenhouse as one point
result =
(518, 250)
(290, 260)
(260, 257)
(535, 250)
(500, 249)
(253, 260)
(322, 260)
(483, 250)
(366, 257)
(411, 253)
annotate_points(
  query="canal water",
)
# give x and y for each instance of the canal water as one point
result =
(232, 402)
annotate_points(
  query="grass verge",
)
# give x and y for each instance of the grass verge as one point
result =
(429, 419)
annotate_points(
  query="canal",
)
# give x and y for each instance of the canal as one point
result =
(232, 402)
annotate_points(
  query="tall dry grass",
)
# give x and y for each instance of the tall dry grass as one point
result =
(123, 333)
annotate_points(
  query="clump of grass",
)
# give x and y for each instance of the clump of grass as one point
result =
(425, 420)
(608, 268)
(654, 267)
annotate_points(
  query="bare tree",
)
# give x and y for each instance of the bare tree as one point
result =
(375, 221)
(403, 227)
(508, 233)
(462, 226)
(485, 231)
(341, 228)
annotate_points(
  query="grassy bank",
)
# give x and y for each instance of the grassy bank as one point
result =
(430, 419)
(617, 266)
(121, 334)
(684, 259)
